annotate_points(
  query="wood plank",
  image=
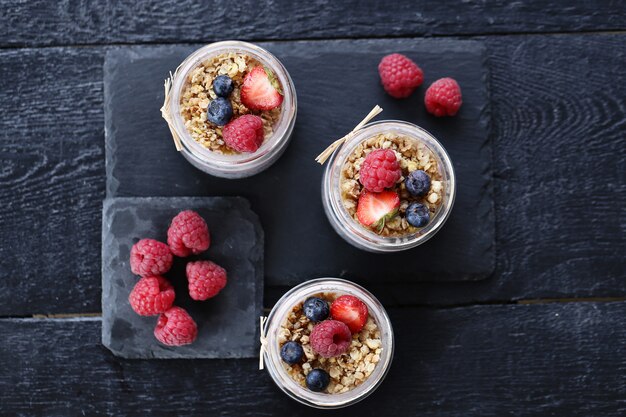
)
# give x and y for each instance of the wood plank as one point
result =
(40, 22)
(51, 179)
(559, 155)
(550, 359)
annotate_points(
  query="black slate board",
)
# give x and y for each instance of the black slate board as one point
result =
(337, 84)
(227, 323)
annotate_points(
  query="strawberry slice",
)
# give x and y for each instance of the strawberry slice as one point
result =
(261, 90)
(350, 310)
(375, 209)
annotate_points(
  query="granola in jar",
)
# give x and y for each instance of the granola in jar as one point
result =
(345, 368)
(408, 208)
(199, 93)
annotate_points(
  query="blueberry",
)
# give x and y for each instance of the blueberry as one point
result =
(417, 214)
(291, 352)
(223, 85)
(220, 111)
(418, 183)
(317, 380)
(316, 309)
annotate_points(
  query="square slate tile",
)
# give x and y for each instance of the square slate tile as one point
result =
(227, 323)
(337, 84)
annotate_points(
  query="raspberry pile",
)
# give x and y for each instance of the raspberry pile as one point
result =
(400, 77)
(188, 234)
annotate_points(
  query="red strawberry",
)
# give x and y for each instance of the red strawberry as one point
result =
(374, 209)
(351, 311)
(261, 90)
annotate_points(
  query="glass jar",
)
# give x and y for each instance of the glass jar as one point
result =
(273, 361)
(237, 165)
(349, 228)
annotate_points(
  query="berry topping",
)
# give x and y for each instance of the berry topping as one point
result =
(244, 134)
(417, 214)
(417, 183)
(375, 209)
(291, 352)
(380, 170)
(316, 309)
(175, 327)
(330, 338)
(350, 310)
(399, 75)
(152, 295)
(206, 279)
(223, 85)
(317, 380)
(261, 90)
(443, 97)
(150, 257)
(220, 111)
(188, 233)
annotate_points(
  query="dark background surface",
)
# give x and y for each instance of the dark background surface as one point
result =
(544, 335)
(300, 243)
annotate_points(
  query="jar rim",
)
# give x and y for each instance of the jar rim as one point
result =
(354, 232)
(272, 355)
(282, 132)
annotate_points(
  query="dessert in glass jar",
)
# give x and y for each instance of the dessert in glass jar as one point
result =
(329, 343)
(390, 187)
(231, 109)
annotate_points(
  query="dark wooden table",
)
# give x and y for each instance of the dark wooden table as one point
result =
(545, 335)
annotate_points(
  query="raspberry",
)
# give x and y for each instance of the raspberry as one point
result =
(399, 75)
(175, 327)
(150, 257)
(380, 170)
(443, 97)
(244, 134)
(188, 233)
(152, 295)
(206, 279)
(330, 338)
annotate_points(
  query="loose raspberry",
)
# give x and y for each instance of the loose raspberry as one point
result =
(150, 257)
(206, 279)
(244, 134)
(151, 296)
(443, 97)
(175, 327)
(330, 338)
(380, 170)
(399, 75)
(188, 233)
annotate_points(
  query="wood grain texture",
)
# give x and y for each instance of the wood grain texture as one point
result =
(51, 179)
(559, 156)
(533, 360)
(65, 22)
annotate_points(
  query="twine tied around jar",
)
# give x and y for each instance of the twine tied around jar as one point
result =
(323, 157)
(165, 109)
(263, 340)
